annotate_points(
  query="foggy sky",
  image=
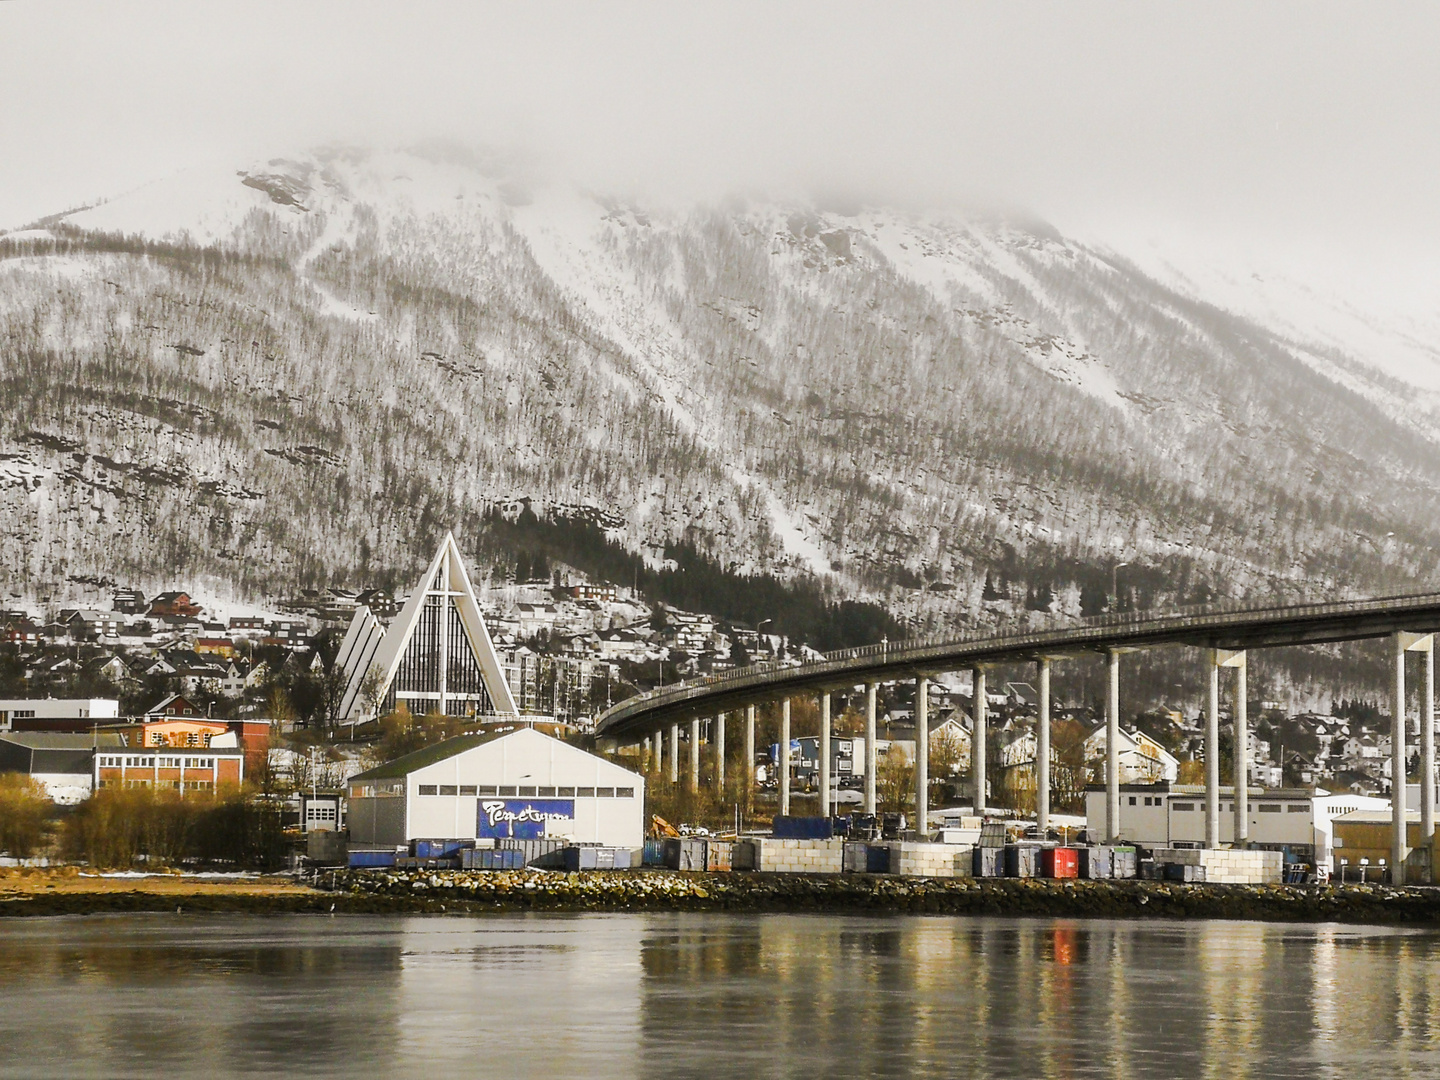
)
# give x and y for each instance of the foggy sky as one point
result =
(1310, 124)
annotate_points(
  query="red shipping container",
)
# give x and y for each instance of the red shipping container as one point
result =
(1059, 862)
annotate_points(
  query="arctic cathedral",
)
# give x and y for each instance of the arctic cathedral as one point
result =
(436, 657)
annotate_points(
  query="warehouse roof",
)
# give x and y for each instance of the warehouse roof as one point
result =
(62, 740)
(429, 755)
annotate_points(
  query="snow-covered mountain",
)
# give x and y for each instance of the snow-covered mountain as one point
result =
(301, 371)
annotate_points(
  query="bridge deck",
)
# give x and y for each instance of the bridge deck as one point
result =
(1235, 627)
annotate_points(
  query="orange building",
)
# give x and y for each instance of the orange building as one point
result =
(193, 772)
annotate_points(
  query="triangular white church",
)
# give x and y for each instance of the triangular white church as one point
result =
(436, 657)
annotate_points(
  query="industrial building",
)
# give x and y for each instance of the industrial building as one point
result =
(1169, 815)
(55, 714)
(523, 784)
(63, 763)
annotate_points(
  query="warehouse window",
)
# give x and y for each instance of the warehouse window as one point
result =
(1132, 800)
(488, 789)
(585, 792)
(565, 792)
(506, 789)
(1183, 806)
(604, 792)
(1269, 808)
(1298, 809)
(467, 789)
(527, 789)
(624, 792)
(545, 791)
(427, 789)
(449, 789)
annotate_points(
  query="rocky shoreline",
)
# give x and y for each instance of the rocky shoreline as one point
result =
(475, 892)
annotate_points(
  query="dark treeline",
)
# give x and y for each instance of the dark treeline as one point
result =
(799, 608)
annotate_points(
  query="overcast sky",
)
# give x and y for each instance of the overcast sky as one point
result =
(1310, 124)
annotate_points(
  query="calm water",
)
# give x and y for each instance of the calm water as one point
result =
(711, 996)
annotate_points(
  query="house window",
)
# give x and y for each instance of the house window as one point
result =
(22, 714)
(427, 789)
(192, 739)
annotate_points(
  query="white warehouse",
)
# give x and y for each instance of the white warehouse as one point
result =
(523, 784)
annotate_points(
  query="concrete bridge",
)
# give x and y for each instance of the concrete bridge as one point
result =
(1225, 633)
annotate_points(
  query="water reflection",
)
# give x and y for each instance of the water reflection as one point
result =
(711, 995)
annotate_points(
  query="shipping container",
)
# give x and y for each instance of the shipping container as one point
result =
(653, 854)
(581, 858)
(1184, 872)
(685, 853)
(1059, 862)
(719, 855)
(877, 858)
(366, 859)
(1097, 863)
(745, 856)
(989, 861)
(853, 858)
(789, 827)
(1020, 860)
(1126, 862)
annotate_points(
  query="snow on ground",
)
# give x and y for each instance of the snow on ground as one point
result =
(1385, 329)
(208, 203)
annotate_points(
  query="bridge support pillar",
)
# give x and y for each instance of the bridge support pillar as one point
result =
(785, 756)
(869, 748)
(694, 753)
(675, 751)
(979, 710)
(657, 748)
(1112, 746)
(1427, 753)
(1042, 750)
(1216, 659)
(826, 795)
(750, 746)
(720, 753)
(922, 757)
(1242, 754)
(1399, 843)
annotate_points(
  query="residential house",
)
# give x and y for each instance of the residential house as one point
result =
(128, 601)
(173, 605)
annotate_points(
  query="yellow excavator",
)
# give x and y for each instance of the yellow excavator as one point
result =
(660, 827)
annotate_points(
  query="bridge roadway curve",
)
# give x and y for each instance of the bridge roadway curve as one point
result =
(1214, 627)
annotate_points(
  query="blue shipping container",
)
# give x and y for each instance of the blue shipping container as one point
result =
(790, 827)
(361, 859)
(653, 853)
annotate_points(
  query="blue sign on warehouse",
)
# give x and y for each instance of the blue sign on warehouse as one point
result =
(521, 819)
